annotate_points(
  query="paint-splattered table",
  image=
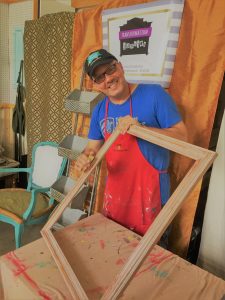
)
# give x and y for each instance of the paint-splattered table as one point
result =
(97, 248)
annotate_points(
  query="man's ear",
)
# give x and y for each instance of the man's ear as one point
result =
(121, 66)
(95, 87)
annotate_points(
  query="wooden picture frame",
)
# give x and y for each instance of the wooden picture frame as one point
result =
(203, 159)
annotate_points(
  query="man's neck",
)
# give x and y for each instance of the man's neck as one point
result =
(127, 92)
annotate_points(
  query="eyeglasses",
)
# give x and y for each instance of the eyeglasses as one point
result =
(109, 71)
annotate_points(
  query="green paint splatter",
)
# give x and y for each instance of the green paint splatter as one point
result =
(82, 229)
(43, 264)
(159, 273)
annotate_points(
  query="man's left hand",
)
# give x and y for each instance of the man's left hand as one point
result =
(124, 123)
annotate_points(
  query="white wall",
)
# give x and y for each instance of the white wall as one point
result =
(18, 14)
(54, 6)
(212, 248)
(4, 53)
(12, 16)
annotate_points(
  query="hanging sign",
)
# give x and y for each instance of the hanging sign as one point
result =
(144, 38)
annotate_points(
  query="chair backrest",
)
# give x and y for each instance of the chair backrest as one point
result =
(47, 165)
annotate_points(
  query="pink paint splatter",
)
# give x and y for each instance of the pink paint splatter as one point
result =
(102, 244)
(134, 244)
(21, 270)
(120, 261)
(98, 290)
(157, 258)
(154, 259)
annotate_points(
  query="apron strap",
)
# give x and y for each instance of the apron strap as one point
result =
(107, 109)
(163, 171)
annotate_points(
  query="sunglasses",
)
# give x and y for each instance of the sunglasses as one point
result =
(109, 71)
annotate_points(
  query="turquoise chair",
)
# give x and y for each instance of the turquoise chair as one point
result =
(20, 207)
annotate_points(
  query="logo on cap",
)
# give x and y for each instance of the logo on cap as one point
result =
(92, 57)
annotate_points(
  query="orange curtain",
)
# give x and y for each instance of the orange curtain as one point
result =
(195, 85)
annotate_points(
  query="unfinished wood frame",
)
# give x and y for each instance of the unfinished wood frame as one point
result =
(203, 159)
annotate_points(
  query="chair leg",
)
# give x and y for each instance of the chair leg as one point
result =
(19, 229)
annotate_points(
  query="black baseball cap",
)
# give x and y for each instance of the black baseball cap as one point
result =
(97, 58)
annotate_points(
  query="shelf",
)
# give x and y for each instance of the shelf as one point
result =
(82, 101)
(72, 146)
(63, 186)
(70, 216)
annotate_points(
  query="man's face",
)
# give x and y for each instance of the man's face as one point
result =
(109, 79)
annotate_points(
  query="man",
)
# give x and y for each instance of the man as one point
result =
(137, 183)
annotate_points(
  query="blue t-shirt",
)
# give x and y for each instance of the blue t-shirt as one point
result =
(152, 107)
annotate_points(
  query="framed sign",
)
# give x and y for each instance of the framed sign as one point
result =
(144, 38)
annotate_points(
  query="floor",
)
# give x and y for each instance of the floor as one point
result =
(7, 241)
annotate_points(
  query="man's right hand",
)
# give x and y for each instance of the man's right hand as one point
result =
(84, 160)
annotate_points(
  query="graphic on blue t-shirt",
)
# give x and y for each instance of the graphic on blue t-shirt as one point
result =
(110, 125)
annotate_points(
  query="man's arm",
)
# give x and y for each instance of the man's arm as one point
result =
(177, 131)
(84, 160)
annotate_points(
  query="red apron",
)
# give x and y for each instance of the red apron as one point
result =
(132, 193)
